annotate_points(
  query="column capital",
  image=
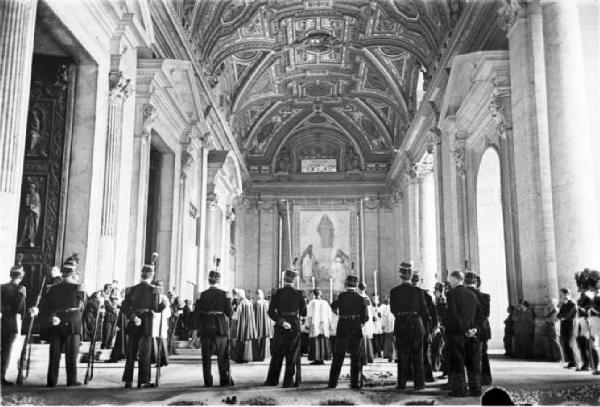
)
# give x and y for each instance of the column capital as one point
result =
(496, 108)
(119, 86)
(458, 153)
(150, 114)
(187, 160)
(510, 12)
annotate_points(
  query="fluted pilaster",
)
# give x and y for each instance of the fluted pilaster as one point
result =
(120, 88)
(17, 21)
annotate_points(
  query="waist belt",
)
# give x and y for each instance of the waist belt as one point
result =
(405, 314)
(349, 316)
(289, 314)
(63, 310)
(212, 313)
(141, 310)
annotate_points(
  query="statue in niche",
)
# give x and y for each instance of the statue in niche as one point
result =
(31, 222)
(285, 161)
(326, 232)
(307, 262)
(37, 142)
(352, 160)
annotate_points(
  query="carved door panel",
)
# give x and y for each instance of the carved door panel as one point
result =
(47, 150)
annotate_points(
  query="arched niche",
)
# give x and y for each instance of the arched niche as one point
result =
(491, 240)
(318, 143)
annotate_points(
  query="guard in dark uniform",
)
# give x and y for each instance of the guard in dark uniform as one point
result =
(64, 304)
(473, 283)
(407, 304)
(430, 325)
(286, 307)
(464, 348)
(13, 296)
(211, 315)
(353, 313)
(140, 302)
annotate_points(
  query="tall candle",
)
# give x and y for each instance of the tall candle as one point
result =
(313, 282)
(375, 281)
(330, 290)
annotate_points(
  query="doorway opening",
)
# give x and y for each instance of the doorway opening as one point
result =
(491, 242)
(153, 205)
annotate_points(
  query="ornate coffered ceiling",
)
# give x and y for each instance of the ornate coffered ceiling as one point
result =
(329, 71)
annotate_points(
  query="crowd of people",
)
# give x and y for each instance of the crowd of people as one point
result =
(570, 332)
(447, 332)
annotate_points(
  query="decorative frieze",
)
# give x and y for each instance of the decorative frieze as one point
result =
(458, 154)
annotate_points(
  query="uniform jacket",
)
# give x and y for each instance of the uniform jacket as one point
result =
(464, 311)
(13, 307)
(485, 332)
(212, 300)
(432, 321)
(141, 300)
(352, 304)
(61, 296)
(285, 302)
(406, 299)
(567, 314)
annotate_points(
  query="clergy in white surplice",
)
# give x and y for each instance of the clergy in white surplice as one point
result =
(318, 322)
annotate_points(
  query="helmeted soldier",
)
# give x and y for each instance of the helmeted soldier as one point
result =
(63, 304)
(286, 307)
(13, 296)
(211, 315)
(431, 327)
(140, 302)
(464, 347)
(353, 313)
(408, 305)
(473, 283)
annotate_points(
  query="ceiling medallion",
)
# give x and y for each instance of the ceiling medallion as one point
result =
(318, 42)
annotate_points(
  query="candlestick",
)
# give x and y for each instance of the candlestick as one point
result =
(375, 281)
(330, 289)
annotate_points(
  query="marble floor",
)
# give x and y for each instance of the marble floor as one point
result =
(530, 382)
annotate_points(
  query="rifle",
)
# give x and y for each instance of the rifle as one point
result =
(89, 373)
(25, 359)
(159, 351)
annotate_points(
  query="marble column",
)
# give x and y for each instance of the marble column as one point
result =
(213, 232)
(571, 155)
(17, 22)
(119, 89)
(414, 236)
(428, 226)
(533, 185)
(201, 270)
(139, 189)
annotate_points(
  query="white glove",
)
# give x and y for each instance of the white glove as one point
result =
(34, 311)
(286, 325)
(137, 321)
(55, 320)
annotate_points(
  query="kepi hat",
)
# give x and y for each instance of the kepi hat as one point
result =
(17, 270)
(405, 270)
(214, 277)
(70, 265)
(351, 281)
(148, 269)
